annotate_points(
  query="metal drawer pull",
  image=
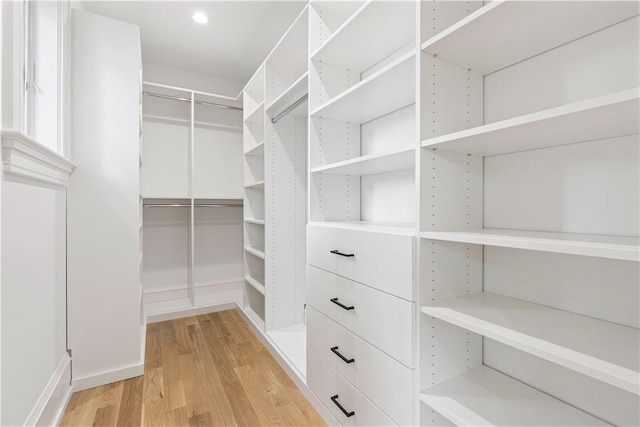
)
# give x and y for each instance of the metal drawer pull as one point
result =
(344, 411)
(335, 350)
(337, 252)
(336, 302)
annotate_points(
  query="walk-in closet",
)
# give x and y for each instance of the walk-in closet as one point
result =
(324, 212)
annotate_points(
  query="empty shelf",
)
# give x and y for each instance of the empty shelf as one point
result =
(387, 90)
(255, 284)
(598, 118)
(373, 32)
(256, 115)
(372, 164)
(289, 96)
(603, 350)
(254, 252)
(404, 229)
(485, 397)
(257, 150)
(483, 43)
(254, 221)
(622, 248)
(259, 184)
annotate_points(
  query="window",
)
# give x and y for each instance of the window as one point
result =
(42, 72)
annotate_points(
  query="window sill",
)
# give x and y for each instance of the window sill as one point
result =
(24, 157)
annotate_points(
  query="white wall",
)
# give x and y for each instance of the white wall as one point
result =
(33, 289)
(35, 369)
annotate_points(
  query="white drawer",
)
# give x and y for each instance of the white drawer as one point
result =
(326, 383)
(383, 261)
(381, 319)
(382, 379)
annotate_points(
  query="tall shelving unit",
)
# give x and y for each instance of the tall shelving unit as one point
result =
(472, 209)
(362, 210)
(529, 213)
(254, 199)
(275, 140)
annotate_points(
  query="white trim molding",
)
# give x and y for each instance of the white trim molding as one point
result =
(108, 377)
(25, 157)
(54, 399)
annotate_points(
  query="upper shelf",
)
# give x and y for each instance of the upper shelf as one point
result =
(385, 91)
(373, 32)
(257, 150)
(603, 350)
(503, 33)
(485, 397)
(403, 229)
(614, 247)
(603, 117)
(290, 95)
(256, 115)
(372, 164)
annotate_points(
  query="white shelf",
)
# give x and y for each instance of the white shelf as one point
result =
(485, 397)
(385, 91)
(606, 351)
(292, 341)
(254, 221)
(403, 229)
(484, 43)
(294, 92)
(254, 284)
(254, 317)
(254, 252)
(365, 38)
(372, 164)
(614, 247)
(257, 150)
(259, 184)
(598, 118)
(257, 113)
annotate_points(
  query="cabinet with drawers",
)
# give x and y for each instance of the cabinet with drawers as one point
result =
(361, 236)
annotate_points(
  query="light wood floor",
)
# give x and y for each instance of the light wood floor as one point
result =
(199, 371)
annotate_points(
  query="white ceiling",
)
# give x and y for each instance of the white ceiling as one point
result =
(239, 35)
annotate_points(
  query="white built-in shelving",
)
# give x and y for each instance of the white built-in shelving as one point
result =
(485, 397)
(257, 150)
(372, 29)
(256, 285)
(499, 34)
(614, 247)
(606, 116)
(274, 170)
(371, 164)
(528, 224)
(604, 350)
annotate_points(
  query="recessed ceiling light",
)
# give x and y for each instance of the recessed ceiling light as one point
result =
(200, 18)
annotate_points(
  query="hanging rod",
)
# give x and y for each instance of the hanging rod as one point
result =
(178, 98)
(177, 205)
(289, 109)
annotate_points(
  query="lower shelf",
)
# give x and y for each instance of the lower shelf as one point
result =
(255, 284)
(292, 342)
(603, 350)
(483, 397)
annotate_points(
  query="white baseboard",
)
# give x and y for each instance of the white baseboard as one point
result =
(190, 311)
(108, 377)
(50, 407)
(175, 292)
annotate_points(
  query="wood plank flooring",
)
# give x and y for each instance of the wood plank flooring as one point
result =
(208, 370)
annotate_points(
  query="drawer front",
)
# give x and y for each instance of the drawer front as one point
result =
(382, 379)
(327, 383)
(383, 261)
(383, 320)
